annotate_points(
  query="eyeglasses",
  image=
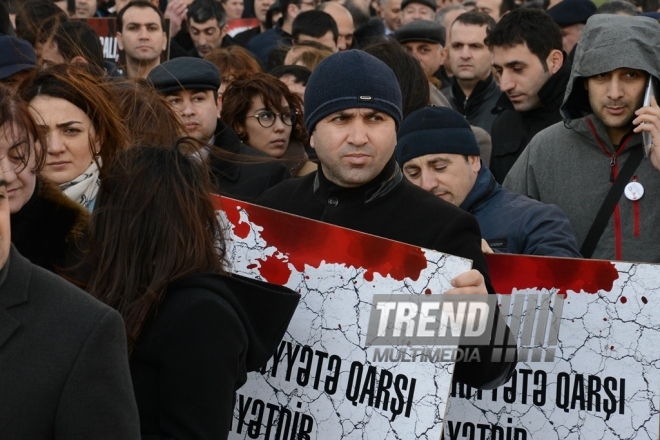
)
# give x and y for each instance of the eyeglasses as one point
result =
(267, 118)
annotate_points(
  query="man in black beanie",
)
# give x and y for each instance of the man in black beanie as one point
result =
(352, 112)
(438, 152)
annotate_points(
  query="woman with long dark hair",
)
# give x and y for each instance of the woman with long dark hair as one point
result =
(193, 331)
(267, 116)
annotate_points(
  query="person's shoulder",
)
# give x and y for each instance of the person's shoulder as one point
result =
(287, 192)
(425, 200)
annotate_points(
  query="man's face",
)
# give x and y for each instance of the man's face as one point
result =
(261, 9)
(570, 36)
(614, 97)
(233, 9)
(345, 25)
(85, 8)
(448, 176)
(469, 55)
(391, 13)
(297, 88)
(206, 36)
(430, 55)
(416, 11)
(142, 37)
(521, 75)
(198, 110)
(328, 40)
(354, 145)
(5, 230)
(490, 7)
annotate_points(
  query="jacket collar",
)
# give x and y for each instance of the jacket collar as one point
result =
(483, 188)
(226, 139)
(374, 190)
(480, 91)
(14, 283)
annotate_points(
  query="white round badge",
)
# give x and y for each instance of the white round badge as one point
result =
(634, 191)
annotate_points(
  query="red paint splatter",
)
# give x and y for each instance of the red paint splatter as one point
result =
(274, 270)
(427, 291)
(644, 300)
(252, 266)
(624, 300)
(308, 242)
(241, 230)
(339, 325)
(611, 347)
(522, 271)
(604, 319)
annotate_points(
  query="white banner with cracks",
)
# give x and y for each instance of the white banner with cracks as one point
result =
(589, 338)
(323, 383)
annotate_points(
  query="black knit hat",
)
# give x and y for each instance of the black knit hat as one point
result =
(430, 3)
(185, 73)
(421, 30)
(351, 79)
(569, 12)
(434, 130)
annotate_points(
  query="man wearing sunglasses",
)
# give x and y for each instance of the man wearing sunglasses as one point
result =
(191, 85)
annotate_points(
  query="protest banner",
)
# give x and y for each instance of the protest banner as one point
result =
(326, 381)
(588, 354)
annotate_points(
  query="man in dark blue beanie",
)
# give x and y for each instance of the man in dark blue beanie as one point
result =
(352, 112)
(438, 152)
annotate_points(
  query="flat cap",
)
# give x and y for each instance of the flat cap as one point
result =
(430, 3)
(185, 73)
(569, 12)
(17, 55)
(421, 30)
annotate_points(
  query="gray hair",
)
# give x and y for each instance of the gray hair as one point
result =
(442, 13)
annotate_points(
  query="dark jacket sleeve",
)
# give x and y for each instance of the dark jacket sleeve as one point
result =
(547, 231)
(202, 361)
(97, 400)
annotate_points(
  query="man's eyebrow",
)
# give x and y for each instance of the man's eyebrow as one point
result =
(514, 63)
(437, 160)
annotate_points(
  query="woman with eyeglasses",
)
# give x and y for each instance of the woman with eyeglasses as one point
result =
(268, 117)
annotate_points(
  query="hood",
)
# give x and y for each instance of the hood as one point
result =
(610, 42)
(264, 309)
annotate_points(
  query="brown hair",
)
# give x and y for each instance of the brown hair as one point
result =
(233, 62)
(90, 94)
(237, 100)
(28, 138)
(135, 254)
(150, 119)
(310, 57)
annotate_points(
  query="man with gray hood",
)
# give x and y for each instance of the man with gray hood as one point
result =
(592, 164)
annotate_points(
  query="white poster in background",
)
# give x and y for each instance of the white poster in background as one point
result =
(589, 357)
(324, 382)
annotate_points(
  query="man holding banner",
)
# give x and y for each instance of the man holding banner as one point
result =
(352, 111)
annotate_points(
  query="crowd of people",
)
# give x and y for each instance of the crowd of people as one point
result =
(465, 127)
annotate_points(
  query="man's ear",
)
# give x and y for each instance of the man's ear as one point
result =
(120, 42)
(224, 31)
(475, 163)
(311, 141)
(164, 41)
(555, 60)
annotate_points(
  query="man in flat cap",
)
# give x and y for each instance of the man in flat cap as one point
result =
(425, 40)
(191, 85)
(412, 10)
(18, 59)
(438, 152)
(571, 16)
(352, 111)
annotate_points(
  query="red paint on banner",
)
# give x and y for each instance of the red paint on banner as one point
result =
(427, 291)
(623, 300)
(523, 272)
(274, 270)
(241, 230)
(312, 243)
(644, 300)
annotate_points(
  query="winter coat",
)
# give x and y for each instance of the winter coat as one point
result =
(237, 177)
(391, 207)
(478, 108)
(516, 224)
(196, 350)
(572, 164)
(513, 130)
(264, 43)
(63, 360)
(49, 227)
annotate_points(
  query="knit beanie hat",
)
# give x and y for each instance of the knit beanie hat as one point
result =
(434, 130)
(569, 12)
(351, 79)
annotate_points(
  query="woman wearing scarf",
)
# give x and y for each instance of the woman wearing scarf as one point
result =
(84, 130)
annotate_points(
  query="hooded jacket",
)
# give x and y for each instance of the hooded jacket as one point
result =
(196, 350)
(573, 164)
(516, 224)
(512, 130)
